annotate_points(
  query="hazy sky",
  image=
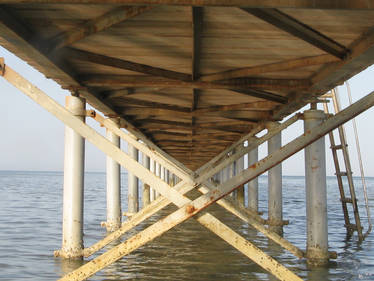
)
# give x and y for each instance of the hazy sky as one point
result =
(33, 139)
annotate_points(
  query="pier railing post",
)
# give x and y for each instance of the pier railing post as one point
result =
(275, 187)
(316, 197)
(133, 185)
(113, 183)
(72, 224)
(253, 184)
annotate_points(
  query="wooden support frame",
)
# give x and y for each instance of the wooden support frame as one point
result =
(186, 210)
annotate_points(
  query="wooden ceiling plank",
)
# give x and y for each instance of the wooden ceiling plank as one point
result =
(300, 30)
(305, 4)
(262, 95)
(271, 67)
(259, 105)
(127, 65)
(149, 81)
(115, 16)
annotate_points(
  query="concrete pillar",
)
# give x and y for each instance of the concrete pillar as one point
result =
(152, 195)
(275, 215)
(72, 225)
(158, 174)
(253, 184)
(146, 187)
(316, 198)
(113, 187)
(240, 192)
(133, 185)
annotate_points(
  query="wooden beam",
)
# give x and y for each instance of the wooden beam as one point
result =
(149, 81)
(197, 26)
(154, 105)
(271, 67)
(259, 105)
(329, 76)
(115, 16)
(127, 92)
(305, 4)
(262, 95)
(300, 30)
(124, 64)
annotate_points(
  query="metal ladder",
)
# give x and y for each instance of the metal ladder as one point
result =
(346, 172)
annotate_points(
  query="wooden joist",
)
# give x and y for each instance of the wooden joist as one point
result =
(124, 64)
(300, 30)
(271, 67)
(150, 81)
(115, 16)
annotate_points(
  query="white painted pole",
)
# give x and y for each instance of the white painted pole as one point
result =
(113, 185)
(158, 174)
(133, 198)
(240, 190)
(275, 216)
(72, 225)
(146, 187)
(316, 198)
(253, 184)
(153, 170)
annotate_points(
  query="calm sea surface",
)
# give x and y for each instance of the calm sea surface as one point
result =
(30, 229)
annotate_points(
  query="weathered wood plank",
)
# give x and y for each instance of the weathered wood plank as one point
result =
(149, 81)
(271, 67)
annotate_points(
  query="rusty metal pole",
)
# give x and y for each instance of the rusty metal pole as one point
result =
(72, 225)
(113, 185)
(133, 185)
(253, 184)
(316, 198)
(275, 216)
(146, 187)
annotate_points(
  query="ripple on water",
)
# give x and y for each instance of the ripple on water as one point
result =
(30, 217)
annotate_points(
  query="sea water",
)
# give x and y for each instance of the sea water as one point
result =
(30, 230)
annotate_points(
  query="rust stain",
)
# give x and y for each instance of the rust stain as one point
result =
(190, 209)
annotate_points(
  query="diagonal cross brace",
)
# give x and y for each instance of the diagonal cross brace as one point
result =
(250, 217)
(186, 211)
(202, 202)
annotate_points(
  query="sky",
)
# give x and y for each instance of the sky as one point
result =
(33, 140)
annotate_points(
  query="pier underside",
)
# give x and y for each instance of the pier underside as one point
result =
(191, 81)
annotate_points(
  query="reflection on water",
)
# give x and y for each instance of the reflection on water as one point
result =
(30, 221)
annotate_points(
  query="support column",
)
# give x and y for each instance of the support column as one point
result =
(253, 184)
(316, 198)
(239, 169)
(146, 187)
(158, 174)
(113, 186)
(133, 194)
(152, 196)
(275, 215)
(72, 225)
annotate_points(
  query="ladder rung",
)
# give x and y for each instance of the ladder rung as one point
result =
(347, 200)
(342, 174)
(336, 147)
